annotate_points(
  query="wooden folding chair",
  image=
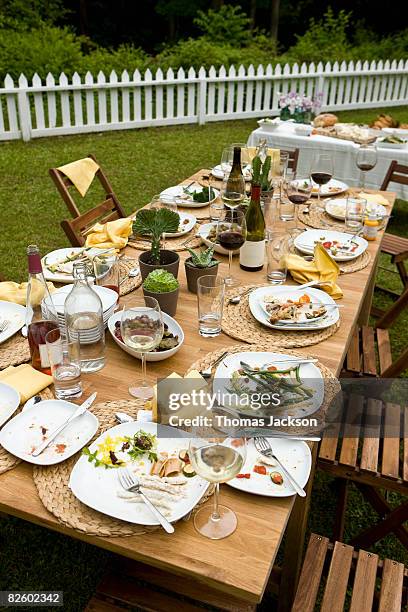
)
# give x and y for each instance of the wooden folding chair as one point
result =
(395, 246)
(357, 581)
(64, 185)
(78, 228)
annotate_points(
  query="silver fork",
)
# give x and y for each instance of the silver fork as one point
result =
(264, 448)
(130, 483)
(4, 325)
(208, 371)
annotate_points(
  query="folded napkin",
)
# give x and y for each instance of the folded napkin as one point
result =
(374, 198)
(323, 268)
(110, 235)
(17, 293)
(193, 381)
(81, 173)
(25, 380)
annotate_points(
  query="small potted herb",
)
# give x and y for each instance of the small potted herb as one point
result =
(163, 286)
(152, 224)
(200, 264)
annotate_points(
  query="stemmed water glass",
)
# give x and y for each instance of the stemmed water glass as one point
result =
(141, 328)
(216, 460)
(366, 160)
(321, 173)
(231, 235)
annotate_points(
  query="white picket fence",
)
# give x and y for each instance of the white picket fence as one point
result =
(31, 110)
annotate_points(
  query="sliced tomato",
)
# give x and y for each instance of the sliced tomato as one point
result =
(327, 245)
(247, 476)
(260, 469)
(237, 442)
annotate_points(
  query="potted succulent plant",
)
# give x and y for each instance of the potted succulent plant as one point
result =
(200, 264)
(152, 224)
(163, 286)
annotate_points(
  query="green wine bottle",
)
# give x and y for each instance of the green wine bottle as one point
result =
(234, 192)
(252, 253)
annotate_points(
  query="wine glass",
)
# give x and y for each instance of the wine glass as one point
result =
(298, 192)
(321, 173)
(366, 160)
(216, 460)
(233, 191)
(231, 235)
(141, 328)
(228, 155)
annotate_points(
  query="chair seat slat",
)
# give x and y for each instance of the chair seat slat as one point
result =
(384, 349)
(364, 582)
(391, 443)
(354, 416)
(311, 574)
(368, 343)
(391, 587)
(337, 580)
(371, 438)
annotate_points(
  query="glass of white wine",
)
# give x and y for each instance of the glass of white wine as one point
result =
(216, 460)
(141, 328)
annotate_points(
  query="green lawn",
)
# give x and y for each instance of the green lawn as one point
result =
(139, 163)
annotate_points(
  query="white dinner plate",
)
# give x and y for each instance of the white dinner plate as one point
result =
(258, 310)
(58, 255)
(309, 373)
(187, 222)
(332, 188)
(22, 434)
(294, 455)
(336, 208)
(218, 173)
(98, 487)
(203, 233)
(15, 314)
(306, 241)
(185, 198)
(173, 326)
(9, 402)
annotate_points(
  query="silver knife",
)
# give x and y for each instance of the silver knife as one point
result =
(78, 412)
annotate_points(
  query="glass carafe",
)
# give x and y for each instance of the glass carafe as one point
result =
(84, 320)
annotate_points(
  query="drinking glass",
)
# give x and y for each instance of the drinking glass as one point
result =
(106, 270)
(210, 302)
(366, 160)
(141, 327)
(235, 197)
(216, 210)
(298, 192)
(216, 460)
(279, 176)
(64, 358)
(231, 235)
(321, 173)
(277, 248)
(227, 157)
(355, 212)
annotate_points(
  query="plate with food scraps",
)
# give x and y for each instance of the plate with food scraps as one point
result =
(241, 378)
(218, 172)
(9, 402)
(286, 308)
(261, 475)
(391, 142)
(173, 338)
(339, 245)
(58, 265)
(208, 234)
(13, 317)
(157, 455)
(333, 187)
(193, 196)
(336, 208)
(22, 434)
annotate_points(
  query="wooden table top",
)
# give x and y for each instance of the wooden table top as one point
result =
(240, 564)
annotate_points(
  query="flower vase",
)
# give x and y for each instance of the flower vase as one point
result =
(284, 114)
(298, 116)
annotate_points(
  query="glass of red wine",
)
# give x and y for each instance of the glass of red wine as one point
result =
(321, 173)
(231, 235)
(298, 192)
(366, 160)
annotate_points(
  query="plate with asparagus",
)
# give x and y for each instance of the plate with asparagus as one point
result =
(264, 384)
(58, 265)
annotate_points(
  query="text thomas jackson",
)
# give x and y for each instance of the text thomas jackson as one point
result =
(226, 421)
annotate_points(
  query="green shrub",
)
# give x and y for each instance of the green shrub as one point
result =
(125, 57)
(228, 25)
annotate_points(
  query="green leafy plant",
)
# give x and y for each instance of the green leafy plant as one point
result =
(154, 223)
(260, 172)
(202, 259)
(229, 23)
(160, 281)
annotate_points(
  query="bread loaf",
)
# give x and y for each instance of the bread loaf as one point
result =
(325, 120)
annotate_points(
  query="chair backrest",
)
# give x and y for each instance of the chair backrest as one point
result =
(78, 228)
(64, 185)
(396, 173)
(354, 573)
(293, 159)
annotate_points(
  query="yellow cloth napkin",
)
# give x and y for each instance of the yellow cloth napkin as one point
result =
(26, 380)
(81, 173)
(374, 198)
(323, 268)
(110, 235)
(275, 158)
(195, 382)
(17, 293)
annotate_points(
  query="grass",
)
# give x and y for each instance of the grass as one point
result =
(139, 164)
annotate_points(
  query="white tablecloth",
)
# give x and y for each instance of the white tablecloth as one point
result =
(344, 156)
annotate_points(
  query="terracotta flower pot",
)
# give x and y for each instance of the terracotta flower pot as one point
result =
(193, 274)
(170, 262)
(167, 301)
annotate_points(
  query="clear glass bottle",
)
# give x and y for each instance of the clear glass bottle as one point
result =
(84, 320)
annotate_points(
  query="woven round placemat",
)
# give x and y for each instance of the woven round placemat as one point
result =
(238, 322)
(346, 267)
(319, 219)
(14, 351)
(53, 490)
(171, 244)
(8, 461)
(331, 384)
(126, 283)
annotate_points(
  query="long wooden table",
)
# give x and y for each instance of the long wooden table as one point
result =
(239, 565)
